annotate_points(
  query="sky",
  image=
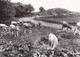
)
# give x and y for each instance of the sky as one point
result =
(71, 5)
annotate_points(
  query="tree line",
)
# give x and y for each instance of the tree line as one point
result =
(8, 10)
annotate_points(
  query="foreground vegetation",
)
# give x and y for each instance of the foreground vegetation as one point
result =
(9, 10)
(24, 44)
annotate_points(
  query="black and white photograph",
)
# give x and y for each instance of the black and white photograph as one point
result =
(39, 28)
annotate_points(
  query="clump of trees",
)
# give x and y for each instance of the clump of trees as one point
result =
(57, 12)
(23, 10)
(8, 10)
(41, 9)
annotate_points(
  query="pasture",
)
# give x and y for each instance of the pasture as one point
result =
(67, 41)
(26, 43)
(71, 20)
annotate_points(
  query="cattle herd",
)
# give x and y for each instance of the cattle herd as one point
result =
(15, 26)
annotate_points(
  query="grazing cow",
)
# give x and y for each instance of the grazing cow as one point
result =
(77, 29)
(3, 27)
(78, 25)
(66, 25)
(20, 22)
(26, 26)
(14, 28)
(37, 23)
(14, 22)
(33, 25)
(53, 43)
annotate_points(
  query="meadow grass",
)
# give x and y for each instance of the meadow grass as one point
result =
(67, 41)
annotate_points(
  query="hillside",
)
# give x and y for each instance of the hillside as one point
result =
(57, 15)
(58, 12)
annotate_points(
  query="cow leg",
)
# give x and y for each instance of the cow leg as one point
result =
(11, 32)
(62, 27)
(67, 29)
(79, 32)
(75, 31)
(17, 34)
(25, 30)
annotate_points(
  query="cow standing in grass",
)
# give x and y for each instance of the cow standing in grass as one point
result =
(27, 26)
(77, 29)
(3, 27)
(50, 44)
(53, 43)
(37, 23)
(66, 25)
(14, 28)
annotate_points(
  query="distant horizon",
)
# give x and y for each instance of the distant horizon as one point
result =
(71, 5)
(59, 8)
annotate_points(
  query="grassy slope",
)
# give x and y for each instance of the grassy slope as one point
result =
(67, 41)
(71, 20)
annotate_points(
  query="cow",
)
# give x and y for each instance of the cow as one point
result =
(26, 26)
(3, 27)
(77, 29)
(14, 28)
(66, 25)
(50, 44)
(53, 43)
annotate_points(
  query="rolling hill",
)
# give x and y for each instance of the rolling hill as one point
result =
(58, 12)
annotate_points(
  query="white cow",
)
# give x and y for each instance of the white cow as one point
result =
(77, 29)
(78, 25)
(14, 28)
(54, 40)
(37, 23)
(50, 44)
(66, 25)
(26, 26)
(13, 22)
(3, 27)
(54, 43)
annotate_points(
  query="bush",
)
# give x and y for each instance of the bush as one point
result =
(7, 10)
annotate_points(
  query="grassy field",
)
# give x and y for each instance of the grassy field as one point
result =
(67, 41)
(71, 20)
(25, 43)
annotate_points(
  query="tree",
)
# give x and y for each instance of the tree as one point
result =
(23, 9)
(28, 9)
(7, 10)
(41, 9)
(19, 8)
